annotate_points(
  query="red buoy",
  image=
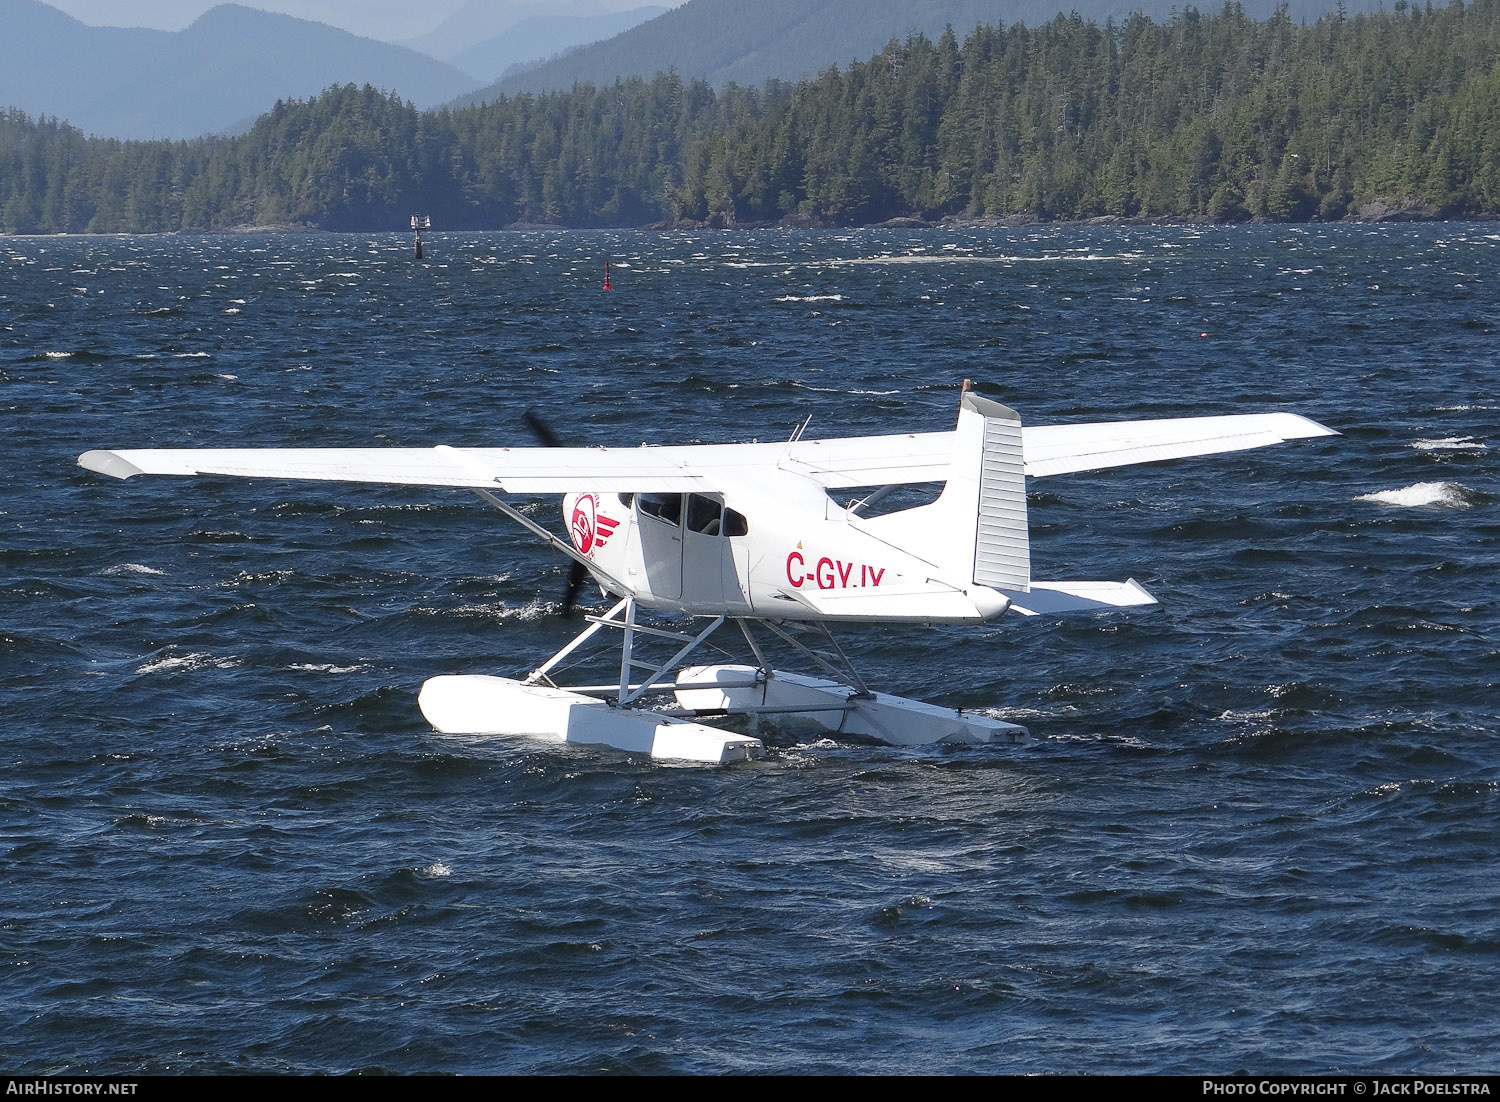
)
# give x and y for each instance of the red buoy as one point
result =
(606, 275)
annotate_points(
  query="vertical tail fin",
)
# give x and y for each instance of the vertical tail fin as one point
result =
(976, 531)
(989, 445)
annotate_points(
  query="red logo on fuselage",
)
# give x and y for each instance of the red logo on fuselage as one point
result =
(589, 527)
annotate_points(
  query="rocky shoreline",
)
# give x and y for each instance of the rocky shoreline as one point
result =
(1407, 209)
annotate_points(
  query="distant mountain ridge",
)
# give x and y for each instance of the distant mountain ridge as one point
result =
(539, 37)
(730, 40)
(519, 26)
(224, 70)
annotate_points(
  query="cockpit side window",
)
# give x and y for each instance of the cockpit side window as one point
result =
(703, 515)
(667, 507)
(735, 523)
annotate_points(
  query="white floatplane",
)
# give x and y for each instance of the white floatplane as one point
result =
(751, 533)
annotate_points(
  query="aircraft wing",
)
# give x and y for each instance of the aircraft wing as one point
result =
(1064, 449)
(522, 470)
(835, 464)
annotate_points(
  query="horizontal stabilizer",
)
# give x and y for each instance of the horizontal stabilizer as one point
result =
(1045, 598)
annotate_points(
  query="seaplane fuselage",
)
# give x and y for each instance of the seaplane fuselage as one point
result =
(780, 547)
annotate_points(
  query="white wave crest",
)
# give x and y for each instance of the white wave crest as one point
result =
(533, 610)
(815, 744)
(186, 662)
(811, 298)
(971, 258)
(131, 568)
(1447, 495)
(1450, 444)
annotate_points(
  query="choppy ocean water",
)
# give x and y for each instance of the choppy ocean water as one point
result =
(1256, 828)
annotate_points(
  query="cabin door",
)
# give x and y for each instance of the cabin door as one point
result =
(659, 521)
(710, 580)
(703, 553)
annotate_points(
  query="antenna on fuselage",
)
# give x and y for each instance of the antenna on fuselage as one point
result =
(799, 430)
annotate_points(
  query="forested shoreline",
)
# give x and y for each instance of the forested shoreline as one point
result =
(1208, 117)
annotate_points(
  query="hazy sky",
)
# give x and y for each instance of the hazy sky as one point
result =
(375, 18)
(387, 19)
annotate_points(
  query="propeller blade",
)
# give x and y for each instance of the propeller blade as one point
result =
(578, 576)
(541, 430)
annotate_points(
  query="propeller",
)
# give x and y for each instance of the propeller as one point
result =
(541, 430)
(578, 576)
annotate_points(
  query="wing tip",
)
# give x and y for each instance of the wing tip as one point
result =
(1142, 594)
(111, 463)
(1310, 428)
